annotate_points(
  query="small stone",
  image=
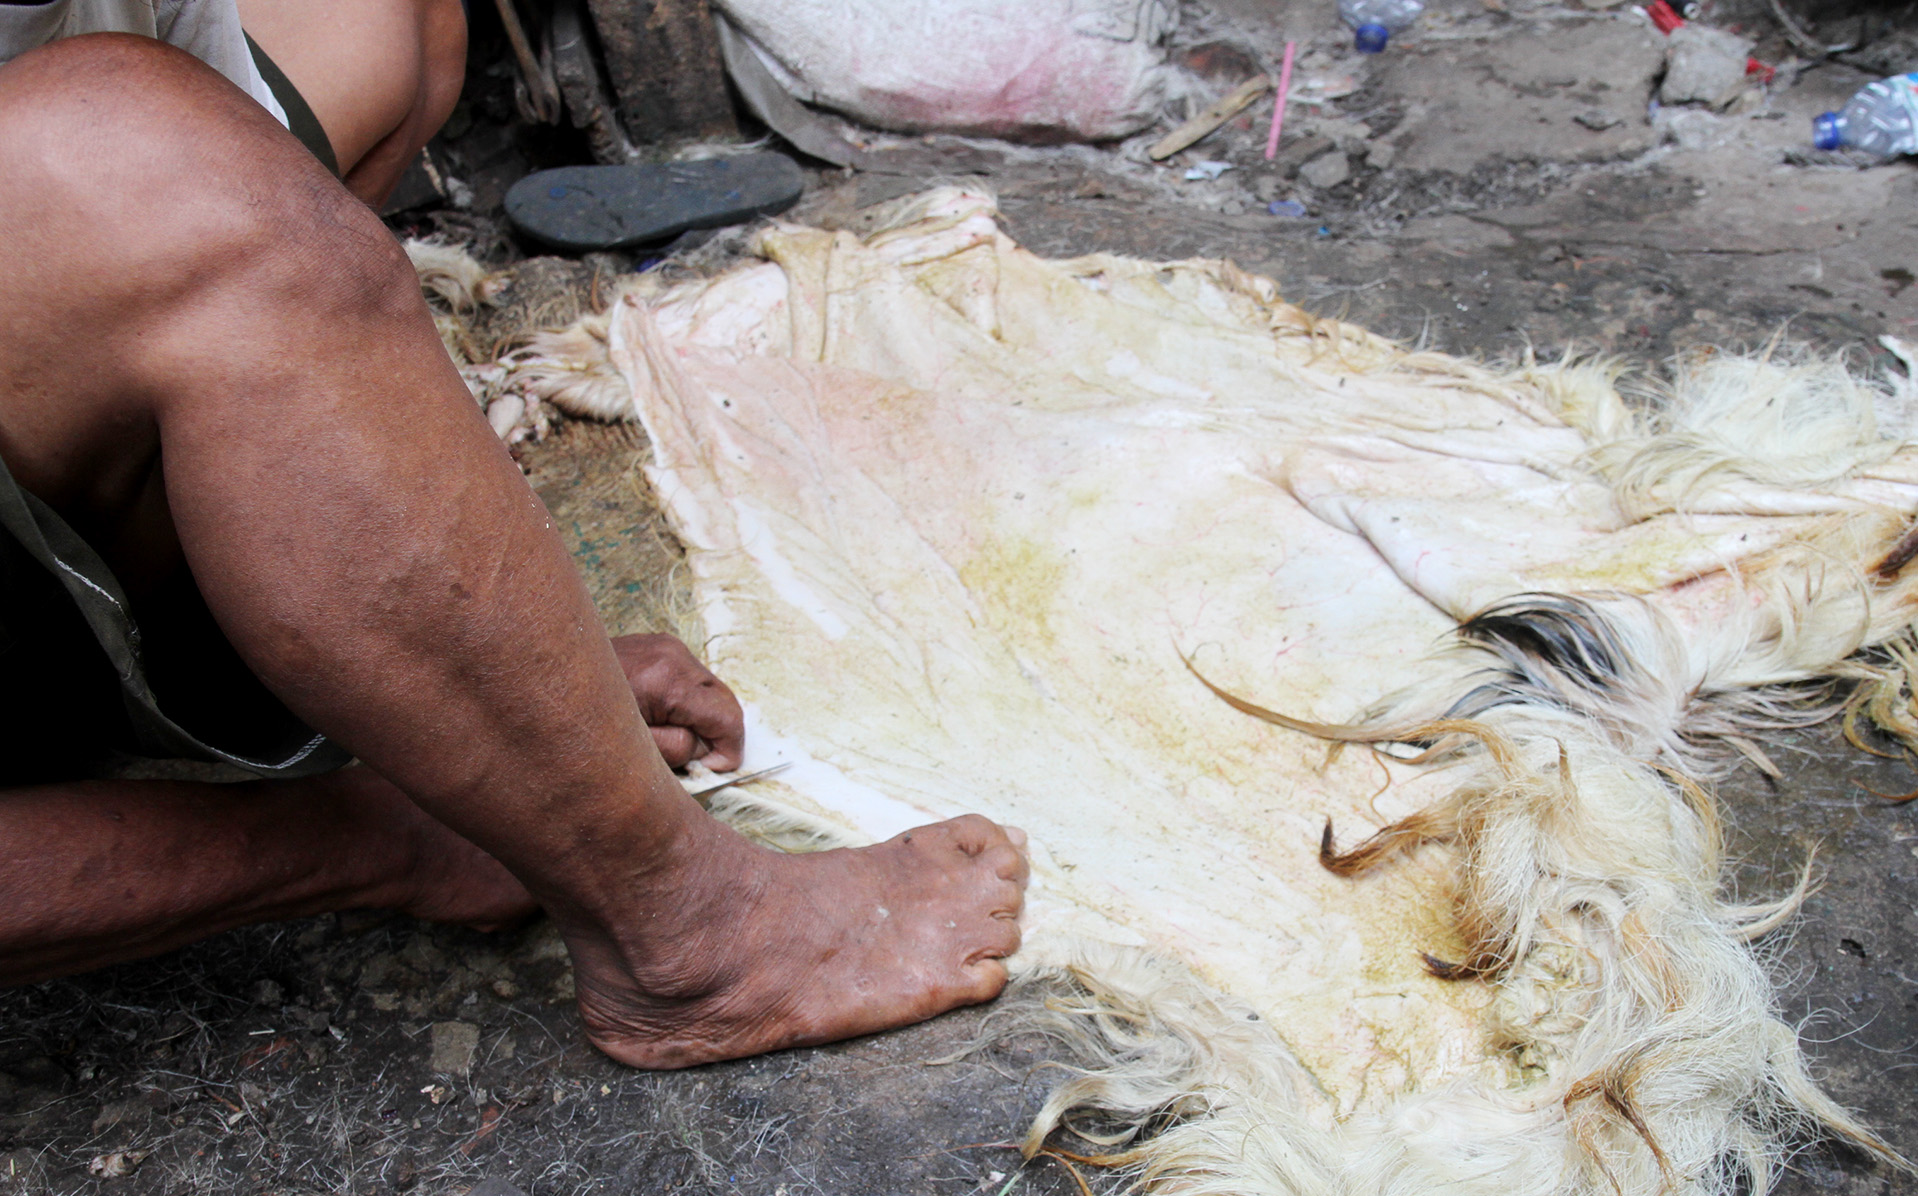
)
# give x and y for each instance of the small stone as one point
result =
(115, 1112)
(267, 992)
(454, 1045)
(505, 989)
(1327, 170)
(1598, 119)
(1380, 154)
(1232, 207)
(1703, 66)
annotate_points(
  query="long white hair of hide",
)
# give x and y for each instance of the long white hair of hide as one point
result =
(1728, 434)
(572, 369)
(453, 276)
(566, 367)
(1641, 1046)
(1633, 1016)
(1730, 420)
(1630, 1006)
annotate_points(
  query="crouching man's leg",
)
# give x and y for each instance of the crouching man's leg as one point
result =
(380, 75)
(218, 357)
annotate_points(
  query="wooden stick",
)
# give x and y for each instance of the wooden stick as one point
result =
(541, 89)
(1202, 124)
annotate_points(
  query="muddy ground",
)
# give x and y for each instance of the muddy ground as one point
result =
(1498, 181)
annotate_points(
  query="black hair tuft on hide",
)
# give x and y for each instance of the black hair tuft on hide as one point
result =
(1553, 649)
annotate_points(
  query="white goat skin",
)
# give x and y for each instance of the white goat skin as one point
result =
(958, 516)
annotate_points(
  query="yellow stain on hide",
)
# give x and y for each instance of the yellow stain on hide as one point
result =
(1017, 581)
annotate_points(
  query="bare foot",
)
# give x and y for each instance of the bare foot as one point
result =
(743, 950)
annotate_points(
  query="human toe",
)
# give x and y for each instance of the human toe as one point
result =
(985, 978)
(975, 834)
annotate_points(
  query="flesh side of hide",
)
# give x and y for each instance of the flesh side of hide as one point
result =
(973, 531)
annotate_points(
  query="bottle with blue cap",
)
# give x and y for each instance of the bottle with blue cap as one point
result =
(1373, 22)
(1881, 119)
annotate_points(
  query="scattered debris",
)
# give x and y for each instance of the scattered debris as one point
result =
(1205, 172)
(116, 1164)
(1290, 208)
(1374, 21)
(1202, 125)
(1881, 120)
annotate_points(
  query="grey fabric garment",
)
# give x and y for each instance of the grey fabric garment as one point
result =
(81, 680)
(207, 29)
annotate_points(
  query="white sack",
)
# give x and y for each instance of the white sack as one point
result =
(1040, 70)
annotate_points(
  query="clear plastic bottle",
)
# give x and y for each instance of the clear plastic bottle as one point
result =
(1374, 21)
(1881, 119)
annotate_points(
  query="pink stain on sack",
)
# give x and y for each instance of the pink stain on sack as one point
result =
(1030, 70)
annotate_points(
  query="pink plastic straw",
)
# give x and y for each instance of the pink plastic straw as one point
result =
(1278, 107)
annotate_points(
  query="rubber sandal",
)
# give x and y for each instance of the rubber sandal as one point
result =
(586, 208)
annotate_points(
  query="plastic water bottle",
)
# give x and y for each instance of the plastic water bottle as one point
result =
(1881, 119)
(1374, 21)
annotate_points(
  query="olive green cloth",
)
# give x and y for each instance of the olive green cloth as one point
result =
(85, 685)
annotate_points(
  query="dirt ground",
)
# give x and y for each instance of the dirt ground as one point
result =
(1498, 181)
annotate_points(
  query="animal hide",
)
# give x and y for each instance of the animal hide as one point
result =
(1202, 591)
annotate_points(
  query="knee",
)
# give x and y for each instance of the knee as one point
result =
(443, 61)
(122, 150)
(98, 106)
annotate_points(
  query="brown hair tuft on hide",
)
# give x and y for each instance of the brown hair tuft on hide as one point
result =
(1402, 836)
(1614, 1090)
(1484, 965)
(1893, 563)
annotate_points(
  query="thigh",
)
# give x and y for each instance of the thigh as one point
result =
(381, 75)
(146, 207)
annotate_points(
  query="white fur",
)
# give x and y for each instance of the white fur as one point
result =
(1633, 1041)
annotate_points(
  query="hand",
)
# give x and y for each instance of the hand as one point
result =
(692, 715)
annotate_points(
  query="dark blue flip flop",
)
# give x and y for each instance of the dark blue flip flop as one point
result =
(586, 208)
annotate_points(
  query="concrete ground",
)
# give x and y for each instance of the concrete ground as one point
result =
(1496, 181)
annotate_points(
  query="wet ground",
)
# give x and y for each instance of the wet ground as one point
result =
(1495, 182)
